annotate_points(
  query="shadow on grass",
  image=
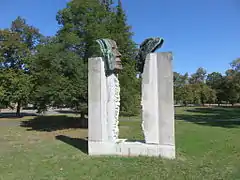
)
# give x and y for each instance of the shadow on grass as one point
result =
(81, 144)
(67, 112)
(13, 115)
(53, 123)
(220, 117)
(226, 111)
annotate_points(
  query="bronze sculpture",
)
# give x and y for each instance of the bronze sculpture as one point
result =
(111, 55)
(149, 45)
(113, 66)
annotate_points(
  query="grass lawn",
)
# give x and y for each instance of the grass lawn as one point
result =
(54, 148)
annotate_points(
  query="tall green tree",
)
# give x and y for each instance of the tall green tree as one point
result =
(180, 80)
(179, 83)
(207, 94)
(199, 76)
(65, 57)
(187, 94)
(60, 67)
(60, 78)
(130, 85)
(232, 83)
(216, 81)
(17, 45)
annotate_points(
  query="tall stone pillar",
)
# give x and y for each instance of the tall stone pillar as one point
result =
(103, 108)
(157, 100)
(97, 101)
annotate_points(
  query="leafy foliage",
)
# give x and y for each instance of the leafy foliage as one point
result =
(60, 66)
(208, 88)
(17, 45)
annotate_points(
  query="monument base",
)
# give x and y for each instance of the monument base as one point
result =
(124, 148)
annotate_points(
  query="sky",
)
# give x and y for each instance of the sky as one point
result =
(199, 33)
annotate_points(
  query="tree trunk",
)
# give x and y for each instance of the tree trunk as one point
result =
(82, 115)
(83, 120)
(18, 113)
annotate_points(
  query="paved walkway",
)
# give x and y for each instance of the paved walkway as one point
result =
(10, 123)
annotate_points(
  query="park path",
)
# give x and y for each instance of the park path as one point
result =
(8, 119)
(10, 123)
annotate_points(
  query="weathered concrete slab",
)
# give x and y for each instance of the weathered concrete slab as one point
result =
(131, 149)
(157, 99)
(150, 114)
(97, 100)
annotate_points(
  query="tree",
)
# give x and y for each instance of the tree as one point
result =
(2, 93)
(215, 81)
(232, 84)
(85, 21)
(187, 94)
(130, 85)
(231, 90)
(202, 93)
(179, 82)
(198, 77)
(107, 4)
(236, 65)
(196, 91)
(207, 94)
(60, 77)
(60, 67)
(17, 47)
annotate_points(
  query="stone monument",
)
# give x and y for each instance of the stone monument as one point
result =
(157, 102)
(104, 92)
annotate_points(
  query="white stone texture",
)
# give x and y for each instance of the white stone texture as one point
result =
(131, 149)
(104, 103)
(97, 101)
(157, 100)
(149, 100)
(117, 107)
(113, 107)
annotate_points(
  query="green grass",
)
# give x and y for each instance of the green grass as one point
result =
(207, 141)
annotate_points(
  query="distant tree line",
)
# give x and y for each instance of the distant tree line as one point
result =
(214, 88)
(52, 71)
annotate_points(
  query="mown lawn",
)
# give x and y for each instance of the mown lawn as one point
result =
(54, 148)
